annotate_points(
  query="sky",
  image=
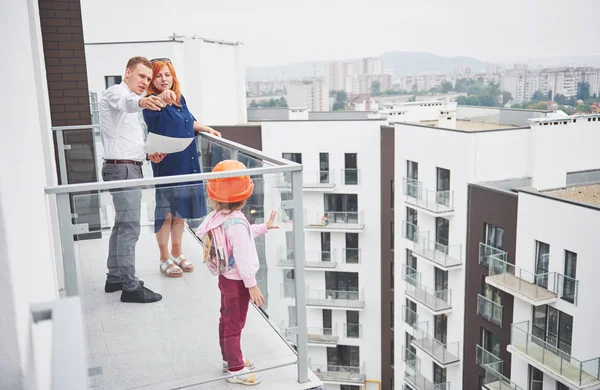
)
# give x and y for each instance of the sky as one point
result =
(276, 32)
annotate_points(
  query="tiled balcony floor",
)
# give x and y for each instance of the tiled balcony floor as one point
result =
(172, 343)
(530, 292)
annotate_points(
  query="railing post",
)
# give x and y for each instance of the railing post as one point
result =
(62, 160)
(298, 224)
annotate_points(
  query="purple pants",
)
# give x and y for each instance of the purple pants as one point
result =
(235, 299)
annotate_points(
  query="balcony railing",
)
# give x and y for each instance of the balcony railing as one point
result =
(334, 220)
(486, 252)
(573, 372)
(494, 380)
(489, 310)
(537, 289)
(335, 298)
(410, 358)
(409, 316)
(437, 202)
(351, 255)
(350, 176)
(337, 374)
(312, 181)
(437, 301)
(322, 336)
(314, 260)
(442, 256)
(485, 358)
(353, 331)
(443, 353)
(414, 378)
(116, 332)
(410, 231)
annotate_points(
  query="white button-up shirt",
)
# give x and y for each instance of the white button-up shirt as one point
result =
(120, 129)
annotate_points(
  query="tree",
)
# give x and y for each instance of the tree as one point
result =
(446, 86)
(413, 98)
(341, 96)
(506, 97)
(549, 96)
(538, 96)
(583, 91)
(375, 88)
(560, 99)
(584, 108)
(332, 93)
(338, 106)
(253, 104)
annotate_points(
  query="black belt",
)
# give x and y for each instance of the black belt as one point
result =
(133, 162)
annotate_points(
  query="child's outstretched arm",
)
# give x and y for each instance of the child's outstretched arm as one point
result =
(262, 228)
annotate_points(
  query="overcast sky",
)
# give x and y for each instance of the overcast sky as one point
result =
(278, 32)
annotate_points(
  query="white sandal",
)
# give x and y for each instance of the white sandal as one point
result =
(245, 377)
(183, 263)
(169, 269)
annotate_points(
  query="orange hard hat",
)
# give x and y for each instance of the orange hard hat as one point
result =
(230, 189)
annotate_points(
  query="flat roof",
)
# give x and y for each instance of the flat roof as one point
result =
(589, 194)
(466, 125)
(511, 185)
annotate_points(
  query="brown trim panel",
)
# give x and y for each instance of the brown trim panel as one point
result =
(387, 257)
(486, 205)
(250, 135)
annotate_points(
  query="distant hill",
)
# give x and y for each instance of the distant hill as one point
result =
(402, 63)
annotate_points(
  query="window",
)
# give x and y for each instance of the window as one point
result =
(443, 186)
(352, 324)
(560, 386)
(411, 260)
(109, 81)
(392, 235)
(293, 319)
(439, 374)
(441, 284)
(392, 315)
(324, 168)
(342, 208)
(392, 353)
(570, 283)
(392, 194)
(552, 326)
(352, 252)
(542, 264)
(494, 236)
(441, 328)
(349, 387)
(288, 283)
(295, 157)
(392, 275)
(327, 321)
(493, 294)
(412, 220)
(411, 312)
(490, 342)
(412, 179)
(325, 246)
(536, 379)
(351, 169)
(343, 355)
(408, 339)
(442, 230)
(341, 285)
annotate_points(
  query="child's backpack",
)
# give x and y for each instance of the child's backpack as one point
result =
(216, 256)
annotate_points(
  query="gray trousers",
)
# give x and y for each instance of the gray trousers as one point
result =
(126, 230)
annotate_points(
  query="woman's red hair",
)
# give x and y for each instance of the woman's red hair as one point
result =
(157, 67)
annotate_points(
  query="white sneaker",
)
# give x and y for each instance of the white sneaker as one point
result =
(244, 377)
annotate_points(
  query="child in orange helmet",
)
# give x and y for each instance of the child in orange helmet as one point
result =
(238, 285)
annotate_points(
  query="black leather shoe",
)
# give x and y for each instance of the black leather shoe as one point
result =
(141, 295)
(118, 286)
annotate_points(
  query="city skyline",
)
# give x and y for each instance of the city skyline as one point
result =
(274, 33)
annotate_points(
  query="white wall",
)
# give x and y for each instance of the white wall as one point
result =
(361, 137)
(499, 155)
(211, 74)
(28, 274)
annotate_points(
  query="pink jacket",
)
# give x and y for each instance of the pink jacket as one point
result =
(239, 244)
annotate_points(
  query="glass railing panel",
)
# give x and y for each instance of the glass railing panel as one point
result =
(409, 316)
(444, 353)
(486, 252)
(334, 298)
(410, 231)
(351, 255)
(353, 331)
(434, 201)
(133, 342)
(332, 218)
(489, 310)
(444, 255)
(335, 373)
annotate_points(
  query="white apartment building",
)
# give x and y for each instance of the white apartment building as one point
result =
(312, 94)
(342, 200)
(414, 112)
(212, 73)
(434, 163)
(424, 82)
(370, 65)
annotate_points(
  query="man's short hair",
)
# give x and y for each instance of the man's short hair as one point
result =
(134, 61)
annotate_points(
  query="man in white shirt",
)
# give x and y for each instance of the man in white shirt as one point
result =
(123, 142)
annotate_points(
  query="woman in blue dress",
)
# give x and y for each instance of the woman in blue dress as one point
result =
(174, 203)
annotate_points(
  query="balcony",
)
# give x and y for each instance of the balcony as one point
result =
(409, 316)
(489, 310)
(322, 337)
(312, 181)
(438, 302)
(546, 357)
(487, 252)
(160, 345)
(415, 379)
(492, 365)
(339, 375)
(444, 354)
(437, 203)
(334, 221)
(353, 331)
(442, 256)
(327, 299)
(536, 289)
(313, 260)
